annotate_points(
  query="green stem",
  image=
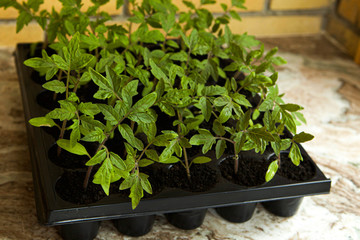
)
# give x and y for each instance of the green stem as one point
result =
(88, 172)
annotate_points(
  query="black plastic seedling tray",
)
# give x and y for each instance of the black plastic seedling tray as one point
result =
(52, 210)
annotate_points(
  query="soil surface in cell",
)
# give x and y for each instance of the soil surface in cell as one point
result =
(202, 178)
(303, 172)
(70, 188)
(251, 171)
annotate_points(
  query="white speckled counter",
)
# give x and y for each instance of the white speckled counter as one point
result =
(317, 76)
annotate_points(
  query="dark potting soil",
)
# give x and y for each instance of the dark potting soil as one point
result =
(251, 171)
(156, 178)
(70, 188)
(303, 172)
(35, 76)
(46, 99)
(202, 179)
(68, 160)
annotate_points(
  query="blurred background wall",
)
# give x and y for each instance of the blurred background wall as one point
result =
(339, 19)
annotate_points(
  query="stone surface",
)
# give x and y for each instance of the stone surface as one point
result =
(321, 79)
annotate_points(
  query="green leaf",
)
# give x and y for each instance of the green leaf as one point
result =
(256, 114)
(109, 113)
(23, 19)
(127, 133)
(221, 101)
(117, 161)
(272, 169)
(145, 184)
(289, 122)
(302, 137)
(179, 56)
(78, 149)
(291, 107)
(144, 103)
(225, 114)
(55, 86)
(69, 27)
(136, 192)
(218, 128)
(220, 148)
(100, 80)
(235, 15)
(261, 133)
(201, 160)
(141, 117)
(88, 108)
(169, 160)
(42, 122)
(193, 39)
(157, 72)
(205, 107)
(166, 108)
(60, 62)
(75, 134)
(145, 162)
(103, 175)
(128, 182)
(96, 135)
(152, 154)
(214, 90)
(278, 60)
(295, 154)
(99, 157)
(241, 99)
(61, 113)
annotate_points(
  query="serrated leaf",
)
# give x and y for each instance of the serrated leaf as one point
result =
(136, 193)
(96, 135)
(152, 154)
(117, 161)
(78, 149)
(145, 184)
(272, 169)
(109, 113)
(103, 175)
(99, 157)
(88, 108)
(55, 86)
(60, 62)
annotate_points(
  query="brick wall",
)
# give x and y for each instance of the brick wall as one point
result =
(262, 18)
(344, 26)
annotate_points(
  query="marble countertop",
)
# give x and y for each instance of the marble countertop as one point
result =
(318, 77)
